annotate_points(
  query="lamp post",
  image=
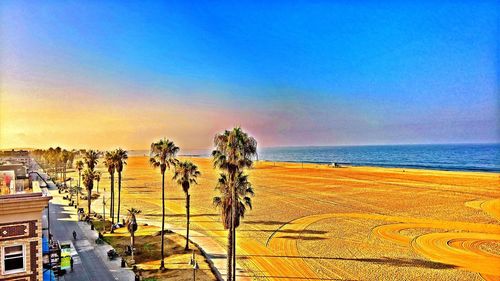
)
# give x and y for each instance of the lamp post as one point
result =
(104, 209)
(195, 265)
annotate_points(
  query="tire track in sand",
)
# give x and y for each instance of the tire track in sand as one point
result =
(491, 207)
(461, 249)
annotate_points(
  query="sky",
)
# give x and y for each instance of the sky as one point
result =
(106, 74)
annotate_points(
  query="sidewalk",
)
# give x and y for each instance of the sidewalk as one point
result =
(92, 262)
(215, 253)
(101, 251)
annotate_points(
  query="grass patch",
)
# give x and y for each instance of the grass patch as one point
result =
(148, 253)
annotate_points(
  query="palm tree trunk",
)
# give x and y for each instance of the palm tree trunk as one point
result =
(119, 193)
(132, 246)
(89, 198)
(111, 207)
(233, 222)
(234, 254)
(162, 264)
(78, 188)
(229, 253)
(188, 197)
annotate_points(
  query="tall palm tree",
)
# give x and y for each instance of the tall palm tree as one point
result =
(162, 154)
(97, 178)
(91, 157)
(109, 162)
(120, 161)
(186, 174)
(234, 151)
(88, 182)
(132, 228)
(79, 167)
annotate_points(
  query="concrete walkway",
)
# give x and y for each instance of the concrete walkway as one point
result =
(92, 262)
(216, 254)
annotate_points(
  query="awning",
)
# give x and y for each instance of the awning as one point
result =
(48, 275)
(45, 245)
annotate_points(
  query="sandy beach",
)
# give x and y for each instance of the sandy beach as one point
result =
(353, 223)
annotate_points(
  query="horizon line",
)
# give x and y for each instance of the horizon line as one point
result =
(284, 146)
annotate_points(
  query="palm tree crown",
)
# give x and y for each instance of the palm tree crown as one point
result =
(186, 174)
(79, 165)
(88, 181)
(91, 157)
(244, 192)
(120, 160)
(88, 178)
(234, 150)
(131, 220)
(162, 154)
(109, 161)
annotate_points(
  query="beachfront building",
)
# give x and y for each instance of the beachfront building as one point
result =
(21, 206)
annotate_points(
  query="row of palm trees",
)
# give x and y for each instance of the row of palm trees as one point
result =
(115, 161)
(233, 154)
(56, 160)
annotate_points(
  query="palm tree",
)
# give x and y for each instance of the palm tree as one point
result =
(120, 161)
(57, 159)
(244, 192)
(234, 151)
(73, 190)
(132, 228)
(91, 157)
(185, 175)
(98, 179)
(109, 162)
(65, 156)
(79, 167)
(88, 182)
(162, 154)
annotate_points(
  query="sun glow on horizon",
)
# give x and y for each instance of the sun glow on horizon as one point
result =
(114, 74)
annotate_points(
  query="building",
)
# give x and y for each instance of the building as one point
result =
(15, 156)
(21, 207)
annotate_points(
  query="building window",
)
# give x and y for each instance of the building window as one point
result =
(13, 259)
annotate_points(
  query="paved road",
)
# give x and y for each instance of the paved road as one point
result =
(87, 265)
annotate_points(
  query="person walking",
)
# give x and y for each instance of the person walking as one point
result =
(74, 235)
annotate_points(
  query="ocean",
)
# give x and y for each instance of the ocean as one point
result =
(451, 157)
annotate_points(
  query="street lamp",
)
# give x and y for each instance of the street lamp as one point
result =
(104, 209)
(195, 265)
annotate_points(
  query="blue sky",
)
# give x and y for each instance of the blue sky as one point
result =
(292, 73)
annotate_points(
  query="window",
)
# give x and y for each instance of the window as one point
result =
(13, 259)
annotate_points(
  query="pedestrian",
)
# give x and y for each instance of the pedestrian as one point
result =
(74, 235)
(71, 263)
(137, 277)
